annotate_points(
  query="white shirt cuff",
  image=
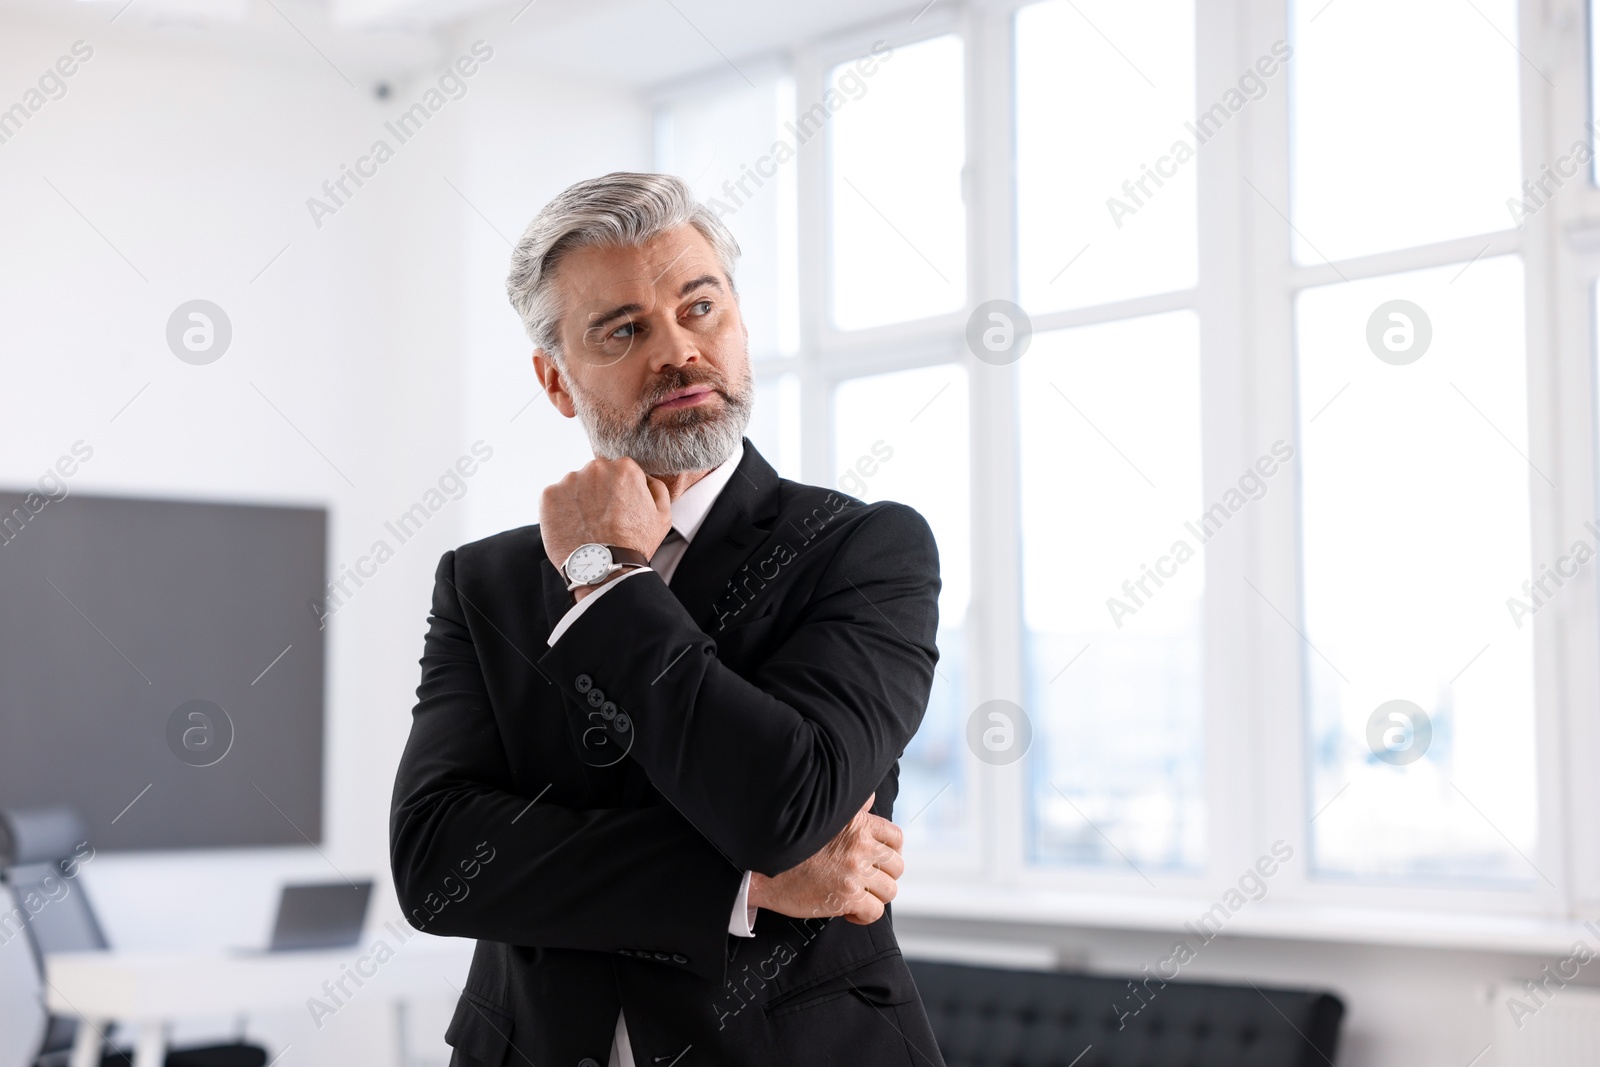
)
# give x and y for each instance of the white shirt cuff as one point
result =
(743, 920)
(583, 605)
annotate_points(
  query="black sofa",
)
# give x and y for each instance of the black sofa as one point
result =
(990, 1017)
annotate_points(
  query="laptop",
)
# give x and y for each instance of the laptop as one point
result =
(319, 915)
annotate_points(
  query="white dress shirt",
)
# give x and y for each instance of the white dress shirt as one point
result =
(688, 515)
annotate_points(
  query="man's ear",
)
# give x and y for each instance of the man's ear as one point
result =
(555, 386)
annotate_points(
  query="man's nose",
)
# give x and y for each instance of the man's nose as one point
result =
(677, 348)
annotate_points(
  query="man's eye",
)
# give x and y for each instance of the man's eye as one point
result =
(704, 305)
(624, 331)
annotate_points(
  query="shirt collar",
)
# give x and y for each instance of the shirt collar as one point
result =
(689, 511)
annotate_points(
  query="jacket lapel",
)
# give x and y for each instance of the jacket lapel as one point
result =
(740, 517)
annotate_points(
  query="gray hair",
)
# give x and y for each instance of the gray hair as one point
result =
(621, 208)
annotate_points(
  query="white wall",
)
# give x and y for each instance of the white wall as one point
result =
(383, 335)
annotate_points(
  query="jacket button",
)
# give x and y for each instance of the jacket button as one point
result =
(678, 957)
(596, 697)
(662, 956)
(588, 1061)
(584, 683)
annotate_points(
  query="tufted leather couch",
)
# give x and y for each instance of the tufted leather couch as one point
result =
(989, 1017)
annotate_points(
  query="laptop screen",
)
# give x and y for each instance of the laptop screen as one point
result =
(325, 915)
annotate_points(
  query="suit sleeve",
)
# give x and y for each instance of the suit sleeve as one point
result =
(770, 768)
(627, 880)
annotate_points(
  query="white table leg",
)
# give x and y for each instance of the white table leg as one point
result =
(402, 1044)
(152, 1048)
(86, 1043)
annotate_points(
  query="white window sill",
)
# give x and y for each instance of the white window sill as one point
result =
(1263, 919)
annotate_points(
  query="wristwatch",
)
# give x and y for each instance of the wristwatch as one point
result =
(590, 564)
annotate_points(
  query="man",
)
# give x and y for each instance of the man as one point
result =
(653, 759)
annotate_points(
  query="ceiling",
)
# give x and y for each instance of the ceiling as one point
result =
(647, 42)
(631, 43)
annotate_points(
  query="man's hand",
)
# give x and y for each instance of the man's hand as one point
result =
(854, 875)
(609, 502)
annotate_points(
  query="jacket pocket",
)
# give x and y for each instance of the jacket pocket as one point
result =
(882, 981)
(480, 1029)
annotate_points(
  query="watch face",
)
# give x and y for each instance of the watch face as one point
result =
(588, 563)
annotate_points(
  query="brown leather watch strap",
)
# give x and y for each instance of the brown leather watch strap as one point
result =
(628, 555)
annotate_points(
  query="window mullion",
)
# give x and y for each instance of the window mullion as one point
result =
(816, 419)
(996, 613)
(1576, 269)
(1255, 702)
(1561, 442)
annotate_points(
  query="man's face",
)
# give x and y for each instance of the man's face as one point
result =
(641, 327)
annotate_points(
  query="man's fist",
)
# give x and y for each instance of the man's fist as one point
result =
(609, 502)
(854, 875)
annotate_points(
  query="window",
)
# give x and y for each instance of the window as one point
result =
(1106, 208)
(1109, 427)
(896, 225)
(1413, 435)
(1263, 521)
(1437, 98)
(1110, 493)
(1415, 496)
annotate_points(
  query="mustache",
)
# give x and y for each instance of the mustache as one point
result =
(666, 387)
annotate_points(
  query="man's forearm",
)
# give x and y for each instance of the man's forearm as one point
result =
(561, 877)
(805, 741)
(564, 878)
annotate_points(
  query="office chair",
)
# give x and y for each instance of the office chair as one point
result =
(23, 1019)
(39, 863)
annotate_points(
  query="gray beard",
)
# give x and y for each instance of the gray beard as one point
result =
(689, 439)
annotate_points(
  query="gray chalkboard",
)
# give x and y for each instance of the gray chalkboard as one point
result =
(161, 669)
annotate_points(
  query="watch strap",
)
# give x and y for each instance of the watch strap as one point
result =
(628, 555)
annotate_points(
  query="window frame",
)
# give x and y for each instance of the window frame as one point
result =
(1257, 770)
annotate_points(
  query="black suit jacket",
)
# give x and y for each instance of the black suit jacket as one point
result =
(587, 811)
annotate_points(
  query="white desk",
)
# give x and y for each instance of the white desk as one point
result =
(150, 990)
